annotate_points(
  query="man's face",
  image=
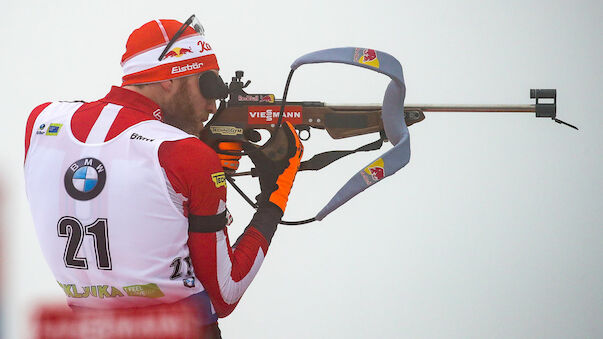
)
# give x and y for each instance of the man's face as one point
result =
(185, 107)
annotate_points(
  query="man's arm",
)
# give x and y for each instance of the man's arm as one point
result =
(193, 171)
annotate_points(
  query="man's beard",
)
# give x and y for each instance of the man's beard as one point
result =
(180, 112)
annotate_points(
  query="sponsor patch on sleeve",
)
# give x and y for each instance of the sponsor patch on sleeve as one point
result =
(219, 179)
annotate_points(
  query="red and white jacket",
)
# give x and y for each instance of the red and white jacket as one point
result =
(141, 237)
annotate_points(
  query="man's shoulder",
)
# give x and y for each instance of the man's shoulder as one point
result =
(189, 147)
(45, 112)
(38, 109)
(194, 170)
(50, 110)
(31, 119)
(190, 156)
(33, 115)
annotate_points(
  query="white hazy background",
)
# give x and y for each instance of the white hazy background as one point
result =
(494, 228)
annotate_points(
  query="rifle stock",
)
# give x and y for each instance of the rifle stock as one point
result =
(341, 121)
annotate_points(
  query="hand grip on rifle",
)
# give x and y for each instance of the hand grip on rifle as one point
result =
(230, 163)
(276, 166)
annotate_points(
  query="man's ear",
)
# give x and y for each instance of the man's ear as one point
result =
(167, 85)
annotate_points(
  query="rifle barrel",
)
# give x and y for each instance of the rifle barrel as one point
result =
(547, 109)
(473, 108)
(442, 108)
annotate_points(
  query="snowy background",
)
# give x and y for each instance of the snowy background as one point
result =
(493, 230)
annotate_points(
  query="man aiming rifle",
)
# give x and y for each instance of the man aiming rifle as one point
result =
(129, 205)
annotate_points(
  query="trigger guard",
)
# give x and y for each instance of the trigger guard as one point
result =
(252, 135)
(307, 130)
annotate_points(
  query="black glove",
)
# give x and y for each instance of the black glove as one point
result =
(276, 166)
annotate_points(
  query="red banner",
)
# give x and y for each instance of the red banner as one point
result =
(267, 115)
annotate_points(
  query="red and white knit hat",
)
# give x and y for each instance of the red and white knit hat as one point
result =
(190, 54)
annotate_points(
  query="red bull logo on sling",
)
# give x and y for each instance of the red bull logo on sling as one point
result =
(377, 172)
(374, 172)
(366, 56)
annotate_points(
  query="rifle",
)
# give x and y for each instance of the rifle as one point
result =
(238, 118)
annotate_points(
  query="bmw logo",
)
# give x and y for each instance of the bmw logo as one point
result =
(85, 179)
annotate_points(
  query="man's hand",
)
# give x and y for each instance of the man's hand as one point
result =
(276, 166)
(230, 163)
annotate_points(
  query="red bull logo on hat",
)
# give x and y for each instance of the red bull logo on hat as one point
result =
(178, 52)
(374, 172)
(366, 56)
